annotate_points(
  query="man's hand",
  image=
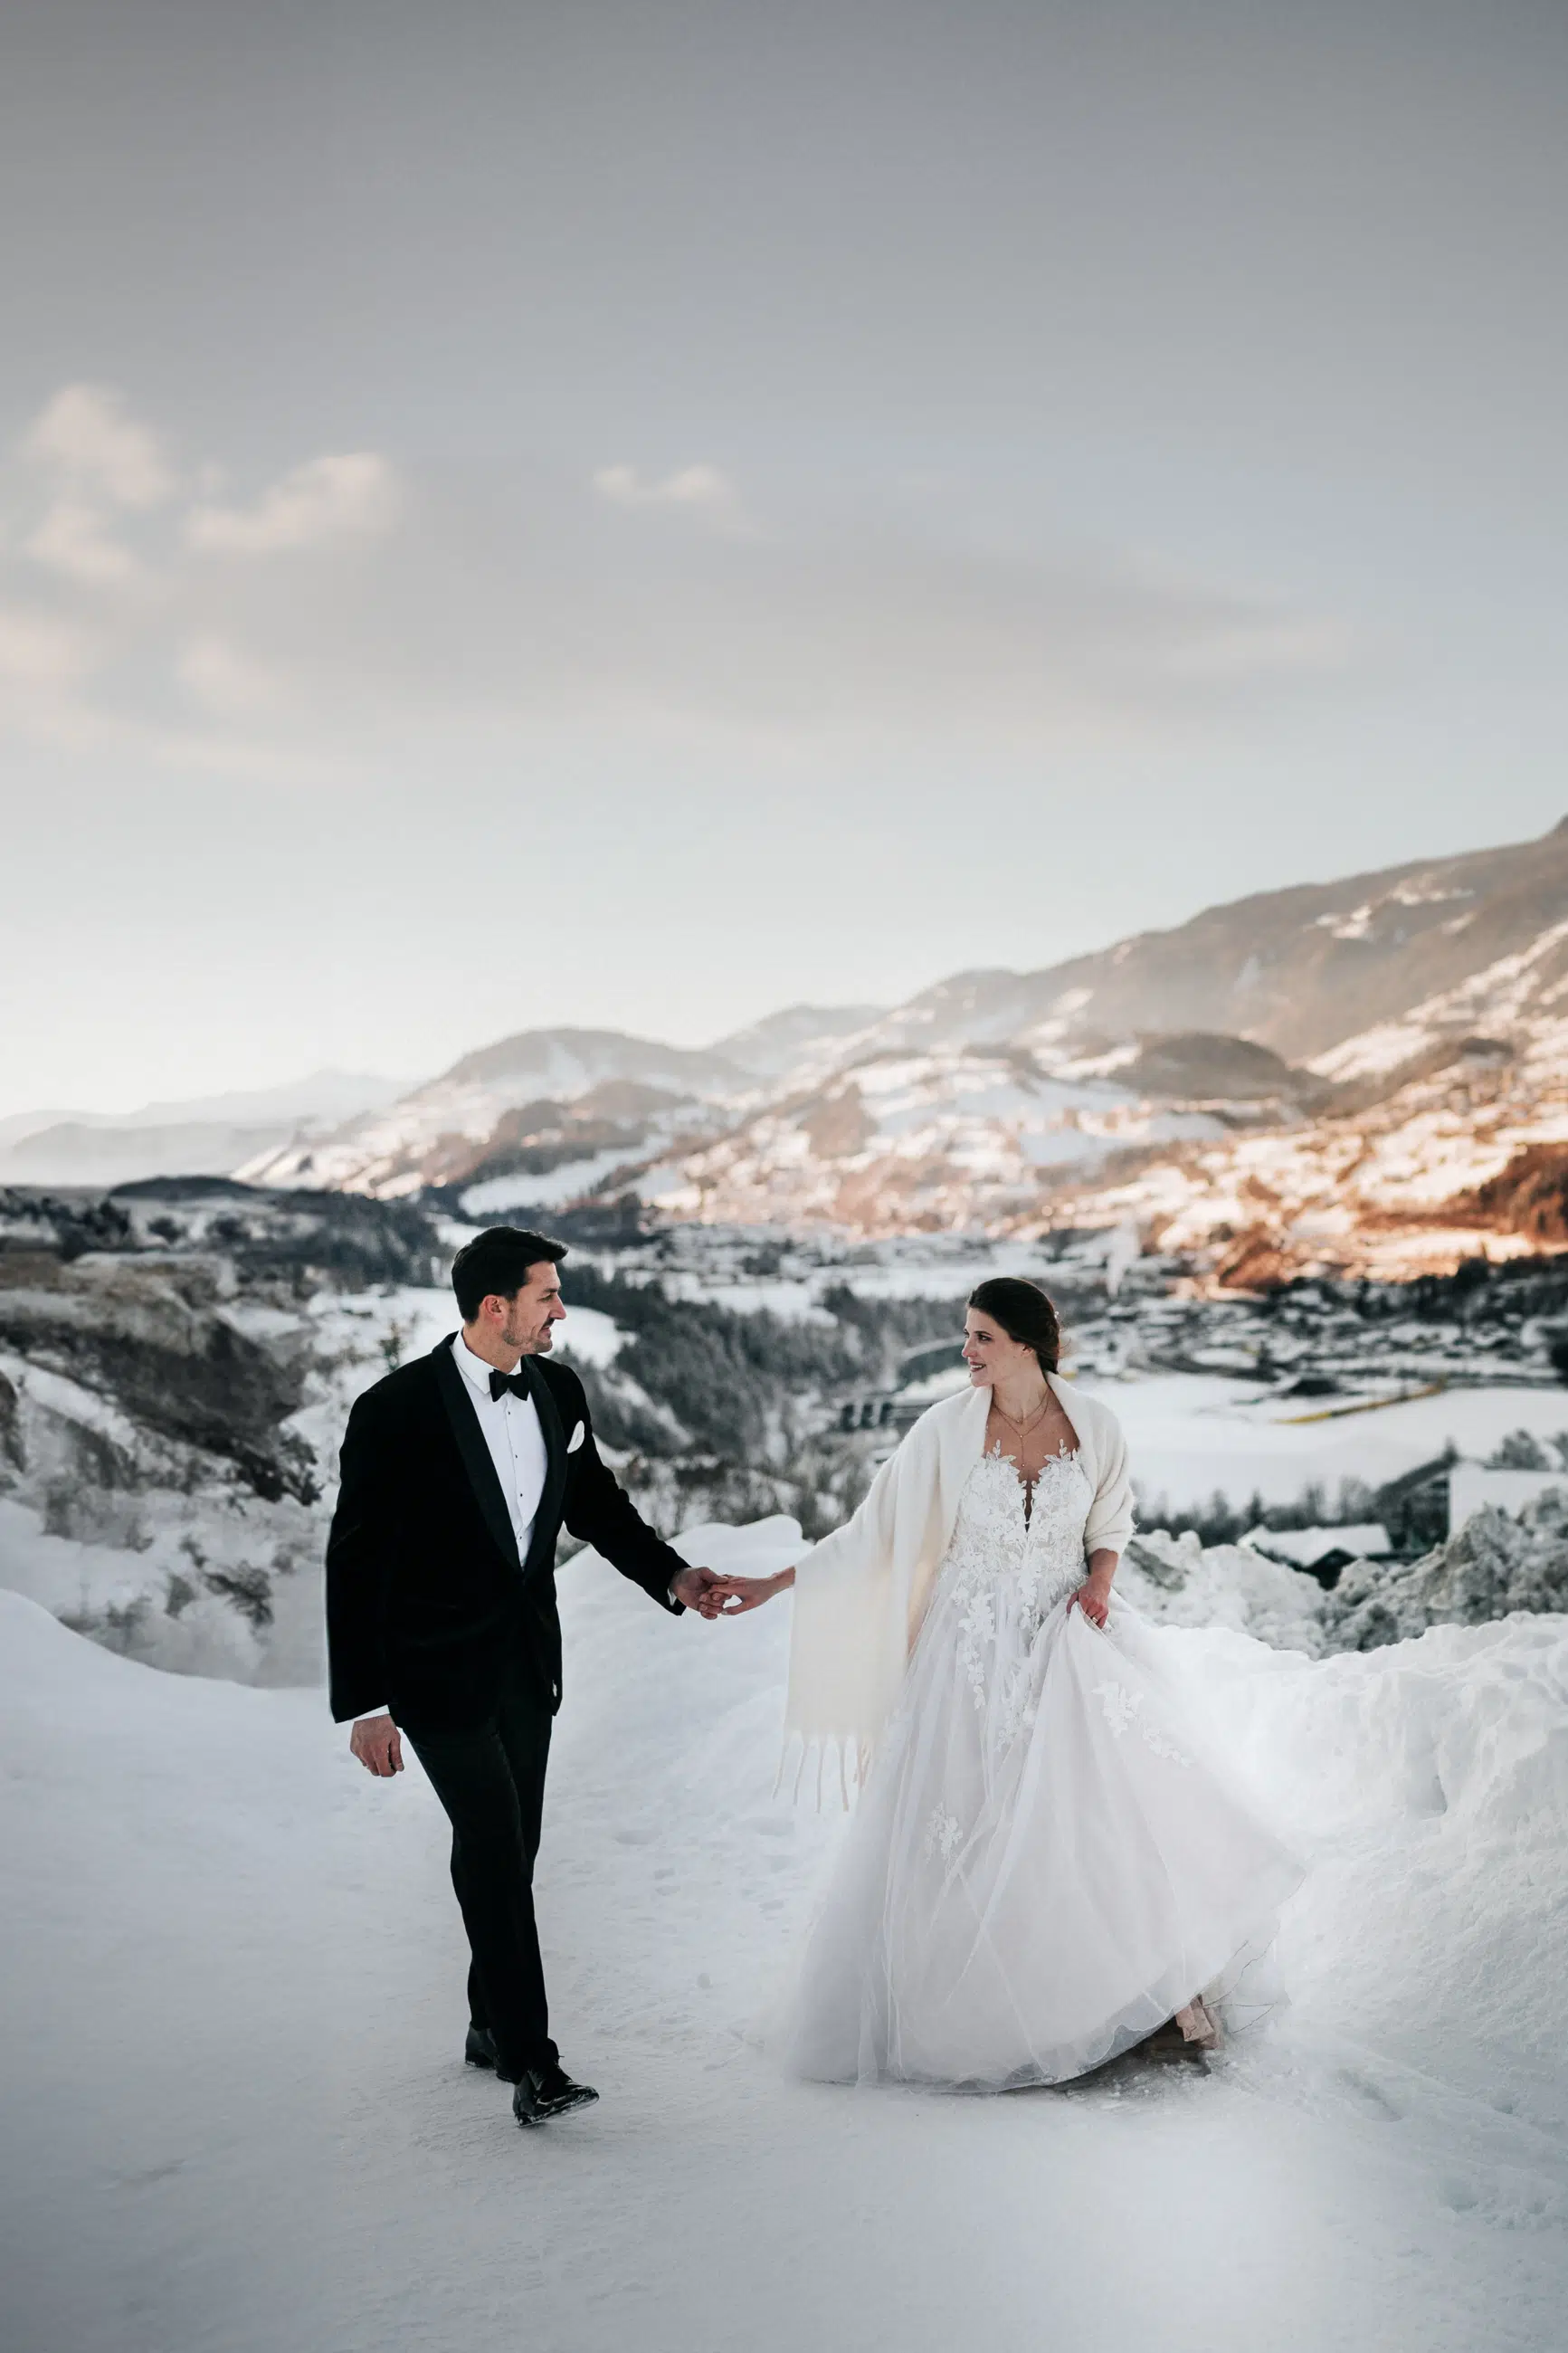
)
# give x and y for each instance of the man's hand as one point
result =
(701, 1589)
(378, 1744)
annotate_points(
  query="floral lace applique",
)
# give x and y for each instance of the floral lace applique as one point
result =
(942, 1835)
(1117, 1705)
(976, 1635)
(998, 1562)
(1018, 1706)
(1121, 1708)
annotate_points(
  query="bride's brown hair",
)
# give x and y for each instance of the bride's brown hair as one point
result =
(1026, 1314)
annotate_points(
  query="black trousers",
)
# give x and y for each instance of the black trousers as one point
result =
(491, 1783)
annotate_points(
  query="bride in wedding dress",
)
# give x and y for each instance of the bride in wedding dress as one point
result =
(1046, 1866)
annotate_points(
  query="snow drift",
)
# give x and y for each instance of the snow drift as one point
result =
(236, 2116)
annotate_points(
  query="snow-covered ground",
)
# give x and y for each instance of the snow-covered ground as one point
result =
(501, 1197)
(964, 1128)
(1189, 1434)
(234, 2114)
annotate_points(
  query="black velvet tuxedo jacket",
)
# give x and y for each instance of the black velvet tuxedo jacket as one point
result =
(427, 1607)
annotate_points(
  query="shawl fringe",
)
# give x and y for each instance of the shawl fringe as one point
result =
(835, 1754)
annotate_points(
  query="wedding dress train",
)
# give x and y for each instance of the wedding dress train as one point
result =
(1045, 1867)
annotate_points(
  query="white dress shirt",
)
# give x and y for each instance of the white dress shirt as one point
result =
(512, 1432)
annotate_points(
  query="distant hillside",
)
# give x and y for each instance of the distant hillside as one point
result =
(467, 1118)
(566, 1062)
(1369, 1072)
(801, 1034)
(1299, 970)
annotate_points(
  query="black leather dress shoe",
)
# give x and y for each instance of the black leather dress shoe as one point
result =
(545, 2091)
(479, 2050)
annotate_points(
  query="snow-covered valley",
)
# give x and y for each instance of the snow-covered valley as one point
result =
(176, 1365)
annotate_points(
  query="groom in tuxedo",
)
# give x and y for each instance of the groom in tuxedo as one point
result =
(459, 1471)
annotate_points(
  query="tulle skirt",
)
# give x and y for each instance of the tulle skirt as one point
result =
(1046, 1864)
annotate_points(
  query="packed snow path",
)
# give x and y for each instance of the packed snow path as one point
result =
(235, 2115)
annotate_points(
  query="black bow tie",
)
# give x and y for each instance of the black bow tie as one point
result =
(516, 1382)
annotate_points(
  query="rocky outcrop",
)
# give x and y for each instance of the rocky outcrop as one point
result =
(172, 1375)
(1492, 1565)
(149, 1300)
(154, 1335)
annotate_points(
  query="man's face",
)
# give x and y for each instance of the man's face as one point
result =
(531, 1312)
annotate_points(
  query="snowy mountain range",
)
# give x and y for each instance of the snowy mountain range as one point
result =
(1367, 1072)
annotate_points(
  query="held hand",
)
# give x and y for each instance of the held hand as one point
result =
(701, 1589)
(743, 1593)
(378, 1744)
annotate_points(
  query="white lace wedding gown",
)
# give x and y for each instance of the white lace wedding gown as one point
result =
(1043, 1866)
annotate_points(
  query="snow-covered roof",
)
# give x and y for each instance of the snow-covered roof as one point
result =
(1306, 1547)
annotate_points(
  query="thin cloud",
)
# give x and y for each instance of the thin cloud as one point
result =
(36, 650)
(691, 486)
(43, 664)
(74, 541)
(516, 613)
(354, 495)
(87, 434)
(226, 682)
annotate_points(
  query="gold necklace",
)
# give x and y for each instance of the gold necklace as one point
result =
(1023, 1428)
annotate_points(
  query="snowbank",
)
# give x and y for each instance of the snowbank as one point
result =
(1494, 1565)
(237, 2118)
(1427, 1784)
(1178, 1581)
(1189, 1434)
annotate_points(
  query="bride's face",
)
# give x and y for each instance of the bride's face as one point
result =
(991, 1354)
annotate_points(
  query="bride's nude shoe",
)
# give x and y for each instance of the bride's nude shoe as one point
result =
(1193, 2033)
(1200, 2027)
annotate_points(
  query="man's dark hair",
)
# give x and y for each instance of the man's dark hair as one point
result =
(497, 1260)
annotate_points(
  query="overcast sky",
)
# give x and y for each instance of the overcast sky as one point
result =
(634, 515)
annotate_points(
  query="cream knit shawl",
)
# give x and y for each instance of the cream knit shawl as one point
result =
(860, 1594)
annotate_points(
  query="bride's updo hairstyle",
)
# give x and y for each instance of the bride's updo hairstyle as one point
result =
(1025, 1312)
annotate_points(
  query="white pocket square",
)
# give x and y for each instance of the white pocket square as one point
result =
(578, 1435)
